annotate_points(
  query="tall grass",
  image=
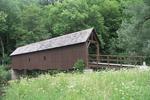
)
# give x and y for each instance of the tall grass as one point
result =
(4, 77)
(105, 85)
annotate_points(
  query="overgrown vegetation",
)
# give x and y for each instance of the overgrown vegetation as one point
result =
(4, 77)
(79, 65)
(4, 74)
(131, 84)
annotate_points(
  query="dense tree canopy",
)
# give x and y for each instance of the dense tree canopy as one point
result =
(122, 25)
(134, 34)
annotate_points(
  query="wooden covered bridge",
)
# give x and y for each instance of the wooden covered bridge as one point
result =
(63, 51)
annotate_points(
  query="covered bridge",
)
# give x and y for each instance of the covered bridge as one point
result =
(56, 53)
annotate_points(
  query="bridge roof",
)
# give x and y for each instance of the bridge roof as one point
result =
(64, 40)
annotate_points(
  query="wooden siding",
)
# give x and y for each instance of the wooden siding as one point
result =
(59, 58)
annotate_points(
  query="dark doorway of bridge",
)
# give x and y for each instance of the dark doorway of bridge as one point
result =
(92, 51)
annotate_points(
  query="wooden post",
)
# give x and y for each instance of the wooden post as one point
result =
(134, 61)
(120, 60)
(117, 60)
(141, 60)
(97, 52)
(108, 60)
(97, 45)
(87, 54)
(124, 60)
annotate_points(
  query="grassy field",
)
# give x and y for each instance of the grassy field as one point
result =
(130, 84)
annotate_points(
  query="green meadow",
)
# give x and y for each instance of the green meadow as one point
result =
(125, 84)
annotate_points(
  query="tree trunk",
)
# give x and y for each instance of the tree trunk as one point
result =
(3, 50)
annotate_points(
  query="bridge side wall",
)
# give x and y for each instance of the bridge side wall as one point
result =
(62, 58)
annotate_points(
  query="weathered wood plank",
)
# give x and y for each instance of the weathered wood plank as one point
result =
(116, 60)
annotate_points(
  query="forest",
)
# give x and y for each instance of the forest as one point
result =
(123, 26)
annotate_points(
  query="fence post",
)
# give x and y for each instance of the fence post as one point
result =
(141, 60)
(117, 60)
(97, 60)
(108, 60)
(121, 60)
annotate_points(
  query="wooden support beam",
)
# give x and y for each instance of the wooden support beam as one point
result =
(92, 41)
(88, 44)
(97, 52)
(87, 54)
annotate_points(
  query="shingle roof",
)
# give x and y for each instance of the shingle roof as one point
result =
(65, 40)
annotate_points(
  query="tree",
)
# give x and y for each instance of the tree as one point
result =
(32, 27)
(10, 15)
(3, 28)
(134, 35)
(22, 23)
(70, 16)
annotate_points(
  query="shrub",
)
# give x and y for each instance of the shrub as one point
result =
(4, 74)
(53, 72)
(4, 77)
(79, 65)
(36, 73)
(147, 61)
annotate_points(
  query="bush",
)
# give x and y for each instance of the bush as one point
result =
(147, 61)
(36, 73)
(4, 74)
(4, 77)
(79, 65)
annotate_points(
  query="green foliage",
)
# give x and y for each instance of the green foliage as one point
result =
(70, 16)
(10, 21)
(3, 26)
(79, 65)
(4, 77)
(134, 35)
(5, 59)
(105, 85)
(4, 74)
(36, 73)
